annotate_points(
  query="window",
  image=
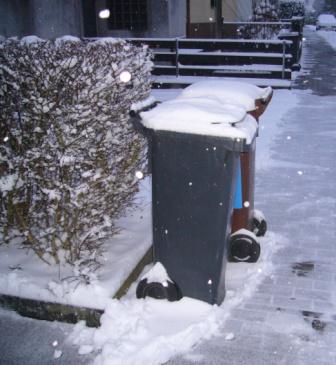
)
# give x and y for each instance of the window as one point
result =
(128, 14)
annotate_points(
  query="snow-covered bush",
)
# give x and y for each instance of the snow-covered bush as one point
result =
(68, 153)
(291, 8)
(264, 11)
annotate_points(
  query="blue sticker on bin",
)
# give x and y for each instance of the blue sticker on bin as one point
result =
(238, 198)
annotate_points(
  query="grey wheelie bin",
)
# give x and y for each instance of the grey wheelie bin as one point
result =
(196, 147)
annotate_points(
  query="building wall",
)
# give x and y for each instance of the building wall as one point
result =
(14, 18)
(165, 19)
(55, 18)
(202, 16)
(232, 10)
(44, 18)
(178, 18)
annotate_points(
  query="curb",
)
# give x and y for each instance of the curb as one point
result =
(50, 311)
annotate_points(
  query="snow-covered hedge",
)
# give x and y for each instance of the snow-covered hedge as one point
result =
(263, 11)
(68, 153)
(291, 8)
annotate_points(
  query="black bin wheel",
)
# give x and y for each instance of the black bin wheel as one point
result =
(259, 227)
(167, 290)
(243, 248)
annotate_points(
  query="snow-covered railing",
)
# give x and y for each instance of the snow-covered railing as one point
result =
(254, 30)
(220, 57)
(297, 23)
(296, 47)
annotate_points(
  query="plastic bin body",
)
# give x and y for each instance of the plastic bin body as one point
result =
(243, 217)
(259, 110)
(193, 187)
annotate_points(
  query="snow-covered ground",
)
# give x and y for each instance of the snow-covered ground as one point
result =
(270, 125)
(144, 331)
(150, 332)
(295, 276)
(23, 274)
(265, 324)
(329, 36)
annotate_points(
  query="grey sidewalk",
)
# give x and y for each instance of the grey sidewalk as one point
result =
(291, 319)
(25, 341)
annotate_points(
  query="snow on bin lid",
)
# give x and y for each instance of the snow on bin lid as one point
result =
(205, 116)
(228, 92)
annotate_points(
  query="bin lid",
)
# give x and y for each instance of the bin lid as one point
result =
(203, 116)
(228, 92)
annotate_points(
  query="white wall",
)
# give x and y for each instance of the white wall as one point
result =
(200, 11)
(236, 10)
(244, 9)
(232, 10)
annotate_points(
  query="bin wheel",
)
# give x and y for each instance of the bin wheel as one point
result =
(259, 226)
(243, 248)
(166, 290)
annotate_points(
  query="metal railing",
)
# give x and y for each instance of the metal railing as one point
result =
(254, 30)
(181, 56)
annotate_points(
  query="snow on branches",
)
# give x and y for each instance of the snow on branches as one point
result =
(68, 152)
(264, 11)
(291, 8)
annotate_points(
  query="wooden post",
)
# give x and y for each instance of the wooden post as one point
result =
(283, 58)
(218, 18)
(177, 56)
